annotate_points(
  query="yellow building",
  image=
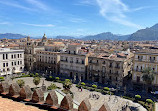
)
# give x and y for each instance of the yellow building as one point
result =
(144, 59)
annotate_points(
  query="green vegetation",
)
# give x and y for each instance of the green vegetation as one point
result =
(67, 84)
(52, 86)
(106, 89)
(1, 78)
(94, 86)
(20, 82)
(36, 81)
(148, 77)
(149, 101)
(57, 78)
(82, 83)
(137, 97)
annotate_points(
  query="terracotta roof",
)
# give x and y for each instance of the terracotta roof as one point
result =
(75, 44)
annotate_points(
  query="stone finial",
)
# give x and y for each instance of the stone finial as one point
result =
(4, 87)
(14, 89)
(25, 92)
(52, 98)
(85, 105)
(67, 103)
(104, 107)
(38, 95)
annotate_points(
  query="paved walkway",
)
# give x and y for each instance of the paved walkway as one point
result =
(156, 106)
(115, 102)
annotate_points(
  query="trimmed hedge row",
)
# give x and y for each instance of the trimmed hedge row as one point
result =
(95, 89)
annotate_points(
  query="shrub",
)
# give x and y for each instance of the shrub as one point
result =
(52, 86)
(149, 101)
(57, 78)
(106, 89)
(31, 75)
(36, 75)
(23, 73)
(137, 97)
(94, 86)
(50, 77)
(82, 83)
(20, 82)
(1, 78)
(25, 76)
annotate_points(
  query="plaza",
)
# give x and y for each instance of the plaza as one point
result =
(115, 102)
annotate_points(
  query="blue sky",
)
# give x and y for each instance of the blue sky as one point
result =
(76, 17)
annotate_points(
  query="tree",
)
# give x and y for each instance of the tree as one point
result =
(67, 84)
(148, 76)
(20, 82)
(36, 81)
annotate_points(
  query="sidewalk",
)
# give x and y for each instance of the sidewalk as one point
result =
(156, 106)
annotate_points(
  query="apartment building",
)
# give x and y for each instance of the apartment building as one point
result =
(144, 59)
(74, 62)
(11, 61)
(110, 69)
(48, 61)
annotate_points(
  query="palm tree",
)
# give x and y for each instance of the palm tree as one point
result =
(148, 76)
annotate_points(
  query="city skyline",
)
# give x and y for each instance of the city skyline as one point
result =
(76, 17)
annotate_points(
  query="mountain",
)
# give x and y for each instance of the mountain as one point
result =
(11, 36)
(64, 37)
(106, 36)
(145, 34)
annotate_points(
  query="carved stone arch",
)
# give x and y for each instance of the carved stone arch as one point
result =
(85, 106)
(67, 103)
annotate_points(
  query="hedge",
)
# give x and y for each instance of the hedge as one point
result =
(106, 89)
(94, 86)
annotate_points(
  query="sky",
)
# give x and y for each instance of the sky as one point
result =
(76, 17)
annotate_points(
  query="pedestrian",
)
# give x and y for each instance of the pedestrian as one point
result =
(81, 89)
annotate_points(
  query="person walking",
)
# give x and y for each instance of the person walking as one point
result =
(81, 89)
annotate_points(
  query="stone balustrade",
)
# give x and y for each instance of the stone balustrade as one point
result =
(51, 101)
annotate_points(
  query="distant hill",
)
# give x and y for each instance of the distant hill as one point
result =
(11, 36)
(64, 37)
(106, 36)
(145, 34)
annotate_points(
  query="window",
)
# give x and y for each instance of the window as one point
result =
(12, 63)
(6, 56)
(12, 56)
(20, 62)
(18, 55)
(3, 56)
(3, 64)
(6, 64)
(82, 61)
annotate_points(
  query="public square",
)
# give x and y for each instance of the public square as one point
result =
(115, 102)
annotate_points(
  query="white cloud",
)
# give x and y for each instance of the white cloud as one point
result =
(77, 20)
(13, 4)
(114, 10)
(4, 23)
(38, 4)
(39, 25)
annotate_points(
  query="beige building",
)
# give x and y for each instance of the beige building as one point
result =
(47, 61)
(109, 68)
(144, 59)
(74, 62)
(30, 54)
